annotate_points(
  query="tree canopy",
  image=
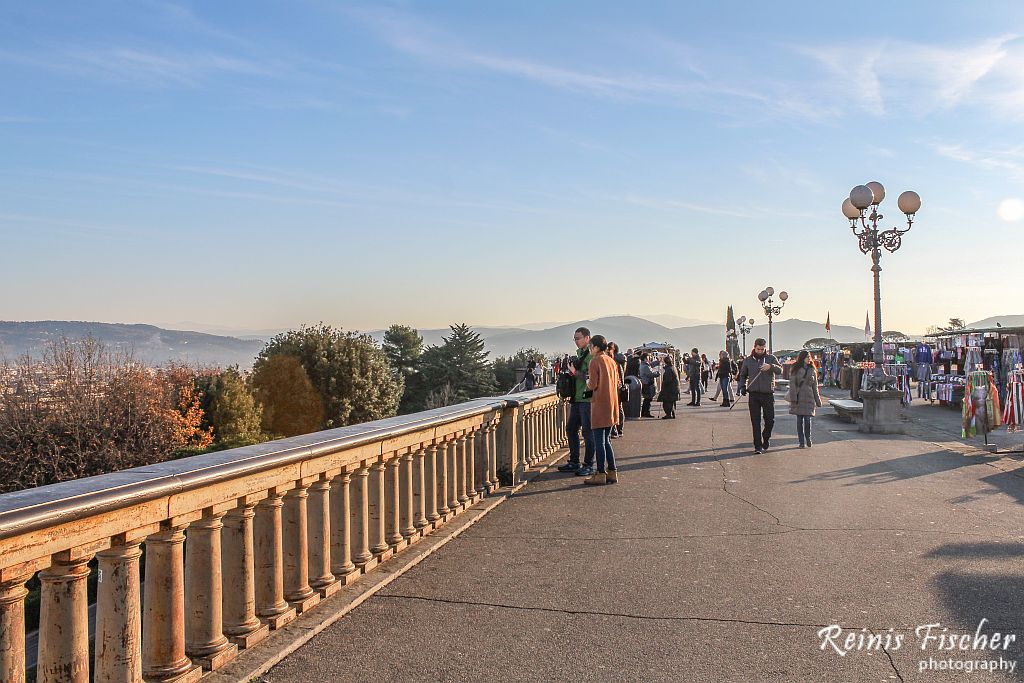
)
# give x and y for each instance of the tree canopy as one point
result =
(290, 403)
(460, 362)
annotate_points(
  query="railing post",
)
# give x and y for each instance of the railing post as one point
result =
(378, 514)
(341, 529)
(205, 641)
(118, 657)
(271, 607)
(472, 492)
(297, 590)
(320, 577)
(430, 486)
(492, 452)
(453, 477)
(360, 518)
(12, 625)
(241, 625)
(464, 481)
(393, 504)
(64, 620)
(163, 614)
(408, 502)
(420, 489)
(441, 479)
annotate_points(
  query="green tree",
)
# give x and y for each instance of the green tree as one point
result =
(817, 342)
(894, 336)
(232, 410)
(290, 403)
(403, 346)
(954, 325)
(349, 371)
(461, 363)
(508, 370)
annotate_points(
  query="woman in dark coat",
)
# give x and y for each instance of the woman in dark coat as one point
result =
(669, 389)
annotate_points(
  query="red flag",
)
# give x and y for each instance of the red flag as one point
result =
(828, 322)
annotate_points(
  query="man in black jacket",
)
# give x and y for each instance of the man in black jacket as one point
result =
(757, 380)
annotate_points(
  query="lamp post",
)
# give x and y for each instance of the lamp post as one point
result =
(770, 309)
(745, 326)
(881, 399)
(871, 241)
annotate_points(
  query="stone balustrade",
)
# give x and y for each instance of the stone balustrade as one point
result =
(240, 542)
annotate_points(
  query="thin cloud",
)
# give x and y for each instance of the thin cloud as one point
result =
(1007, 161)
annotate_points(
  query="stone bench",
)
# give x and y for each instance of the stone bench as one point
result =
(847, 410)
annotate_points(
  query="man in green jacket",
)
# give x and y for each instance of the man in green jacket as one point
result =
(579, 410)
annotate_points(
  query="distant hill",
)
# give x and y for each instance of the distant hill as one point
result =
(1004, 320)
(150, 344)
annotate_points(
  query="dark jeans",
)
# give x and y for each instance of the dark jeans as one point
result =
(603, 447)
(617, 429)
(579, 418)
(761, 402)
(695, 392)
(669, 407)
(803, 429)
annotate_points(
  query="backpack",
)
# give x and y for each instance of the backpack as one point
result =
(565, 385)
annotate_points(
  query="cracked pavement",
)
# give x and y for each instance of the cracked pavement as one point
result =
(707, 563)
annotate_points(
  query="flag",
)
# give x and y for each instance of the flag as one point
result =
(867, 325)
(828, 322)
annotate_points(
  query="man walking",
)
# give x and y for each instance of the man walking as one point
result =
(579, 410)
(757, 380)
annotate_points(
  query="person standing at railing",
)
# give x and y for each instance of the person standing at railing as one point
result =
(620, 365)
(579, 410)
(604, 409)
(530, 378)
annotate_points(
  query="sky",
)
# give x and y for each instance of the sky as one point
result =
(257, 165)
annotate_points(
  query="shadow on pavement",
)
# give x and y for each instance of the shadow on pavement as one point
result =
(899, 469)
(1009, 483)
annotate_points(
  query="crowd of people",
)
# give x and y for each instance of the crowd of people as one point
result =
(593, 380)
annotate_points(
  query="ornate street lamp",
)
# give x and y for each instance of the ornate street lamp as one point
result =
(745, 326)
(871, 241)
(770, 309)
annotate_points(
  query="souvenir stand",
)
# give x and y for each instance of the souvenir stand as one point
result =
(996, 350)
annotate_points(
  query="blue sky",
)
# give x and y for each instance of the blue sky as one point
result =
(261, 165)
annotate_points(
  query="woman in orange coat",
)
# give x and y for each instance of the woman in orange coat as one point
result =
(604, 409)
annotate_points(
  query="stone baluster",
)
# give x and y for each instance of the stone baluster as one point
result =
(430, 486)
(480, 462)
(493, 453)
(321, 579)
(12, 625)
(531, 450)
(378, 513)
(409, 502)
(470, 447)
(441, 479)
(163, 613)
(420, 490)
(360, 519)
(453, 477)
(297, 590)
(238, 562)
(464, 481)
(342, 566)
(205, 641)
(393, 504)
(549, 441)
(271, 606)
(64, 620)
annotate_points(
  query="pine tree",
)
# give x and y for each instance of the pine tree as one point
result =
(461, 363)
(403, 346)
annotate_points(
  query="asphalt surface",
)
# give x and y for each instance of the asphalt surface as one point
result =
(710, 563)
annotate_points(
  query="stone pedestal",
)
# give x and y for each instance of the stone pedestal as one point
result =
(883, 413)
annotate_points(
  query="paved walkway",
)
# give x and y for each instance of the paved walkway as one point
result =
(708, 563)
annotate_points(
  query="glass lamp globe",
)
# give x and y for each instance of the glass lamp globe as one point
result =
(849, 210)
(769, 290)
(763, 296)
(861, 196)
(742, 320)
(909, 202)
(877, 191)
(783, 296)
